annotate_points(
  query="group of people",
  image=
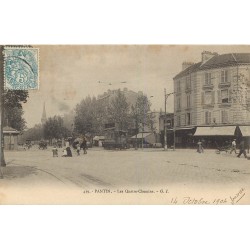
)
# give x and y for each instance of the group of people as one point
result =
(67, 150)
(242, 147)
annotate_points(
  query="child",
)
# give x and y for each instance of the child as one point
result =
(55, 151)
(64, 153)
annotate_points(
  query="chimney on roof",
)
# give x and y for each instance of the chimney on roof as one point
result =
(206, 55)
(185, 65)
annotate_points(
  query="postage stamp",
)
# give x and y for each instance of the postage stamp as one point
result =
(21, 68)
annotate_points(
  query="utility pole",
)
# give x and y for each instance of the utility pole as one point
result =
(2, 160)
(165, 122)
(165, 119)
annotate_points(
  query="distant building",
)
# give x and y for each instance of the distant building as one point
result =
(212, 93)
(130, 95)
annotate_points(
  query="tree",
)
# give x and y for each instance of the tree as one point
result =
(13, 111)
(53, 128)
(34, 134)
(15, 119)
(90, 116)
(118, 111)
(141, 112)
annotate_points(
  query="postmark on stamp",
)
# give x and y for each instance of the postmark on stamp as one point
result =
(21, 68)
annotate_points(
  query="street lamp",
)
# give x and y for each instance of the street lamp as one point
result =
(165, 120)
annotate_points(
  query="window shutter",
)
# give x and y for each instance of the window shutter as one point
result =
(212, 78)
(213, 96)
(229, 75)
(202, 98)
(229, 95)
(209, 117)
(205, 78)
(219, 96)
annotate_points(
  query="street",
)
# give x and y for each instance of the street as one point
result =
(148, 176)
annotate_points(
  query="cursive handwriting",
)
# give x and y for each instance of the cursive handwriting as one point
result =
(238, 196)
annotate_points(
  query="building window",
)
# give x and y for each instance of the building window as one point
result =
(188, 118)
(207, 117)
(207, 78)
(178, 102)
(188, 101)
(224, 96)
(224, 116)
(178, 120)
(224, 76)
(208, 98)
(179, 86)
(188, 82)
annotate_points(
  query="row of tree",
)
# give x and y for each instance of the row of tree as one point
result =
(53, 128)
(91, 114)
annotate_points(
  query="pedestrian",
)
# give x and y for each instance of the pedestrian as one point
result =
(55, 151)
(242, 149)
(233, 146)
(69, 153)
(78, 149)
(64, 153)
(84, 145)
(200, 147)
(67, 143)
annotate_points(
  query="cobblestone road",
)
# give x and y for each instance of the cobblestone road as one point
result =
(150, 169)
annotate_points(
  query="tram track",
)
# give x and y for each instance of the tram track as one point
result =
(85, 179)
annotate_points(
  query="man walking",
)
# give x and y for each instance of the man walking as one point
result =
(233, 147)
(84, 145)
(242, 149)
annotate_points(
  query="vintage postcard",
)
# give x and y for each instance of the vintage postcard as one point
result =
(125, 124)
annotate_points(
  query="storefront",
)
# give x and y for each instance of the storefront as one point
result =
(213, 137)
(184, 137)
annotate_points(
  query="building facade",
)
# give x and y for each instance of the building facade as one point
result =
(214, 92)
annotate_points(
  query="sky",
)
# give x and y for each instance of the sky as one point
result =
(69, 73)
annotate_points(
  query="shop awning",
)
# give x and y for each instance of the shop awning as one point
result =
(245, 130)
(141, 135)
(184, 128)
(215, 131)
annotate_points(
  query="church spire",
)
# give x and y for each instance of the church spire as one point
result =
(44, 118)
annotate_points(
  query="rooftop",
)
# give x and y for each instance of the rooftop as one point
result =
(217, 61)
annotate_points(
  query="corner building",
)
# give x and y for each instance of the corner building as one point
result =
(212, 99)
